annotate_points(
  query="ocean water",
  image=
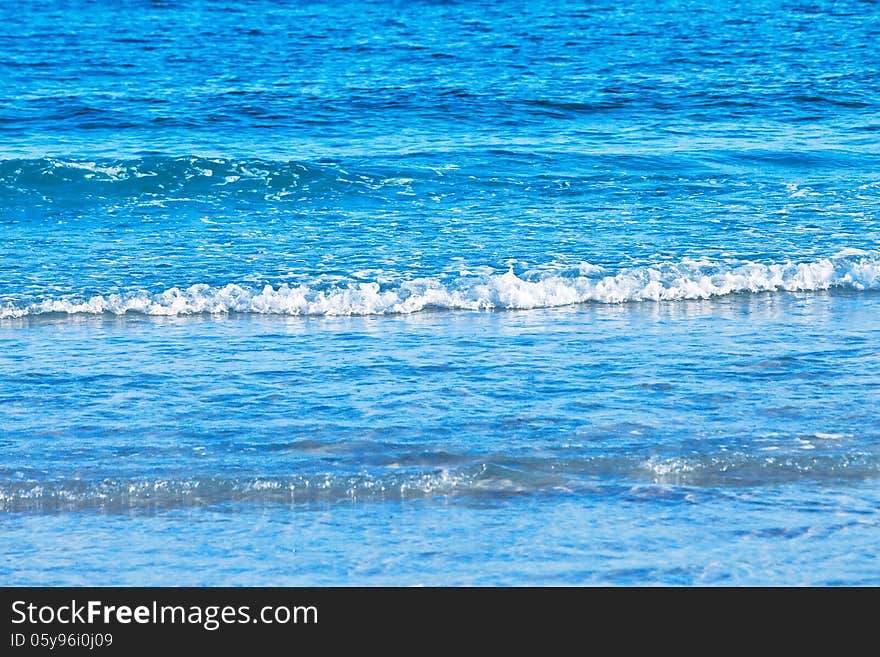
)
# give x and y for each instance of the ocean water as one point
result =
(407, 293)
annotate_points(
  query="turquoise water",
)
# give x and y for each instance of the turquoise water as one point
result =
(439, 293)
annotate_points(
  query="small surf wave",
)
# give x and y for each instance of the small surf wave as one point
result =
(162, 176)
(689, 279)
(476, 480)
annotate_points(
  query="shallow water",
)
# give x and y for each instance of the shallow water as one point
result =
(297, 444)
(465, 293)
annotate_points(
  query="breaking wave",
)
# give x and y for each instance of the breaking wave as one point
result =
(689, 279)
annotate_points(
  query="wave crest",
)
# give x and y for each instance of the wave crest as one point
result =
(480, 479)
(161, 177)
(689, 279)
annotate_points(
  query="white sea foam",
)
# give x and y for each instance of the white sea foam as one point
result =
(689, 279)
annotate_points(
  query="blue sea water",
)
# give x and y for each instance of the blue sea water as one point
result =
(439, 292)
